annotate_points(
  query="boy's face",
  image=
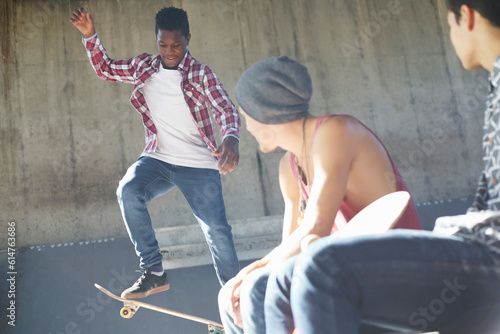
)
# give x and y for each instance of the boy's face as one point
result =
(461, 38)
(172, 46)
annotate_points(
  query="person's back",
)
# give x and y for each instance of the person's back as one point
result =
(371, 175)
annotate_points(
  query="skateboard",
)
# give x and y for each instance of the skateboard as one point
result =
(379, 216)
(130, 306)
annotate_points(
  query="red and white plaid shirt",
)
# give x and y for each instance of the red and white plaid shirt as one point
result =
(199, 84)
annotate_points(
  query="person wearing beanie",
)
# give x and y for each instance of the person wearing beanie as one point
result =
(334, 166)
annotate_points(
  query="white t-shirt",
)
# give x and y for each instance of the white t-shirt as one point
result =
(179, 141)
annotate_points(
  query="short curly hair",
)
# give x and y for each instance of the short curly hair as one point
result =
(489, 9)
(171, 18)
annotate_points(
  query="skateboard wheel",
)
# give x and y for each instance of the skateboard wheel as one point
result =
(215, 329)
(126, 312)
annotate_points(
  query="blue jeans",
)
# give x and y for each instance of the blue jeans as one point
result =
(406, 280)
(149, 178)
(252, 293)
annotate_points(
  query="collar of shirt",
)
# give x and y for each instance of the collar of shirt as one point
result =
(185, 62)
(495, 76)
(182, 67)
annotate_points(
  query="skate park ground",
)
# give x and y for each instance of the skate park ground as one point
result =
(54, 292)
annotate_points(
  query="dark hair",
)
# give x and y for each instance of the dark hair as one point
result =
(171, 18)
(489, 9)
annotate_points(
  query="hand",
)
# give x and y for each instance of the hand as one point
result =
(82, 20)
(231, 292)
(229, 155)
(232, 296)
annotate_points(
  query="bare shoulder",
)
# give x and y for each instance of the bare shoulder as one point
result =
(341, 123)
(342, 130)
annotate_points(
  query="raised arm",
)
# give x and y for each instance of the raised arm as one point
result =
(82, 20)
(106, 68)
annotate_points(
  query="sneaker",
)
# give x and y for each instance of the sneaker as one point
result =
(146, 285)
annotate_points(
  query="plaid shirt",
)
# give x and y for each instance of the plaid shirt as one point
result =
(199, 84)
(488, 190)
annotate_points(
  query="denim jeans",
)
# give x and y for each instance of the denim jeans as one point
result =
(149, 178)
(252, 293)
(403, 280)
(252, 298)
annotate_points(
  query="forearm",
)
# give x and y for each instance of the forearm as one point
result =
(106, 68)
(291, 246)
(226, 115)
(229, 121)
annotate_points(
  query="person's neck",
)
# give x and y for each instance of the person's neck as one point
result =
(293, 139)
(491, 49)
(168, 68)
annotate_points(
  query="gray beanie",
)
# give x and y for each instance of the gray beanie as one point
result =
(275, 91)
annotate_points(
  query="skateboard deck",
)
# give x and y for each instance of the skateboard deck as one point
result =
(130, 306)
(379, 216)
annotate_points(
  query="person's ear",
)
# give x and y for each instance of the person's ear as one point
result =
(467, 17)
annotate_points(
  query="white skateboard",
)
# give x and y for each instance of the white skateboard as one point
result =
(379, 216)
(130, 306)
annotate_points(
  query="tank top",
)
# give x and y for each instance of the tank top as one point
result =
(409, 219)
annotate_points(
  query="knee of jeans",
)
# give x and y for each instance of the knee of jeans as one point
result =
(254, 285)
(317, 258)
(223, 297)
(124, 190)
(282, 275)
(119, 191)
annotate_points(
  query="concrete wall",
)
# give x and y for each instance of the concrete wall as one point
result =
(67, 137)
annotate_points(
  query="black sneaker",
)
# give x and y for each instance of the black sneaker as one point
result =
(146, 285)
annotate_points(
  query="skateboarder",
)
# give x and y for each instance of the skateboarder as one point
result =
(171, 91)
(334, 167)
(412, 280)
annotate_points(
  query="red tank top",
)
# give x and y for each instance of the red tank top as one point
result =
(409, 219)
